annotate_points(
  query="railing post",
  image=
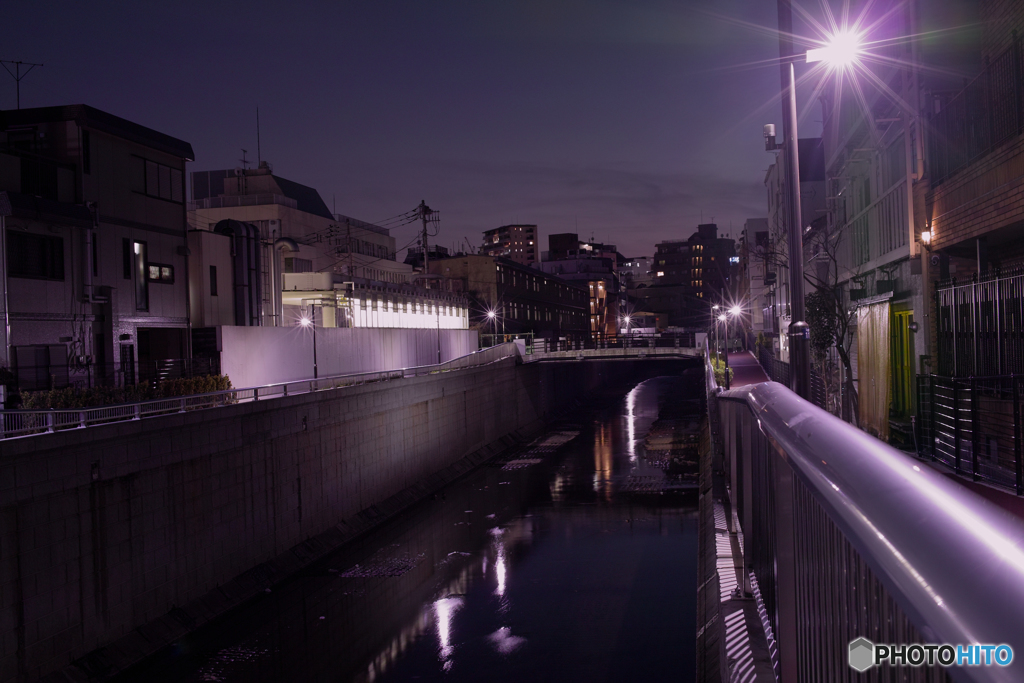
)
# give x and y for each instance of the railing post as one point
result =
(50, 420)
(81, 419)
(975, 436)
(256, 394)
(181, 405)
(138, 411)
(956, 425)
(931, 416)
(285, 386)
(785, 571)
(1015, 381)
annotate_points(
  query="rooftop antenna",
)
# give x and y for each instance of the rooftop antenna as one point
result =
(259, 156)
(17, 75)
(245, 162)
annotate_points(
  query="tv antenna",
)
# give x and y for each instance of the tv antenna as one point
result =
(245, 162)
(17, 75)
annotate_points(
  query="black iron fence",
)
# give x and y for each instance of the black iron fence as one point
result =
(980, 330)
(778, 371)
(985, 114)
(973, 425)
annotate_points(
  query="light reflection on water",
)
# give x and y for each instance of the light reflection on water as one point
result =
(556, 575)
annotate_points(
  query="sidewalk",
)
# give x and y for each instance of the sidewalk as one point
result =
(746, 370)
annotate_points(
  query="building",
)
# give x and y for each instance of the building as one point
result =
(517, 243)
(591, 266)
(506, 297)
(689, 276)
(414, 255)
(282, 208)
(753, 267)
(637, 272)
(773, 251)
(93, 221)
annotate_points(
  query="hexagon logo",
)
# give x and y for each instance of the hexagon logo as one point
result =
(862, 655)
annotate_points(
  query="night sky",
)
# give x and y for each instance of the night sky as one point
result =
(621, 120)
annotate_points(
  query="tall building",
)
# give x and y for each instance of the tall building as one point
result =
(515, 242)
(92, 215)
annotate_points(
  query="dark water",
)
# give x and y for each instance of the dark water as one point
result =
(573, 565)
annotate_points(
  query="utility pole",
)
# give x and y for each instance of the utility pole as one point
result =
(799, 332)
(424, 214)
(17, 75)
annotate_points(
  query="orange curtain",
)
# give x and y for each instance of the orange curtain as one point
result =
(873, 368)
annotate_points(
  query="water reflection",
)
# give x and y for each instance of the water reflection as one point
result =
(562, 567)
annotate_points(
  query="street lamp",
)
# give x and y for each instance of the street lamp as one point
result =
(306, 322)
(724, 319)
(840, 51)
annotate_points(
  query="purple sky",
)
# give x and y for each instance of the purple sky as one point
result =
(622, 119)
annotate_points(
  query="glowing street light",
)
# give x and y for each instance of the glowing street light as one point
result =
(735, 310)
(842, 50)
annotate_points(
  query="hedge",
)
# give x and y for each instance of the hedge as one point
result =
(70, 398)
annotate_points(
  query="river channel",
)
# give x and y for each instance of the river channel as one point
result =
(572, 559)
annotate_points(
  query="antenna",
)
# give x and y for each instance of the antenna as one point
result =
(259, 156)
(17, 75)
(245, 162)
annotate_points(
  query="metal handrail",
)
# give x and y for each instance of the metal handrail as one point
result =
(19, 423)
(818, 498)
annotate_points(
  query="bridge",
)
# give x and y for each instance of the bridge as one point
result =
(822, 535)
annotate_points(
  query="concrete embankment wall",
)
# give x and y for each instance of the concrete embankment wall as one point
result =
(254, 356)
(115, 540)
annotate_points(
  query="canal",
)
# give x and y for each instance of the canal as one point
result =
(572, 559)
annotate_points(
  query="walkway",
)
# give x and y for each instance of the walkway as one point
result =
(745, 370)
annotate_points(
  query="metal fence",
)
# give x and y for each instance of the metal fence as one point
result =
(980, 330)
(973, 425)
(985, 114)
(846, 537)
(17, 423)
(686, 340)
(778, 371)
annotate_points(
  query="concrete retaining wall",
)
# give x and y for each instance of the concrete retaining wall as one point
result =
(115, 540)
(254, 356)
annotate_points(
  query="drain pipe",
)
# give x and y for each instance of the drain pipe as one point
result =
(7, 298)
(280, 244)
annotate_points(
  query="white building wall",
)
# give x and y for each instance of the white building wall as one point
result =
(253, 356)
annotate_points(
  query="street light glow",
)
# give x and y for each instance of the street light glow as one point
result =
(722, 318)
(841, 50)
(491, 314)
(305, 322)
(735, 310)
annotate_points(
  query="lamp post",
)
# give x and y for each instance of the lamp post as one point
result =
(307, 322)
(723, 319)
(840, 51)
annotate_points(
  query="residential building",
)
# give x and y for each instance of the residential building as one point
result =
(517, 242)
(773, 250)
(591, 266)
(637, 272)
(753, 267)
(507, 297)
(92, 214)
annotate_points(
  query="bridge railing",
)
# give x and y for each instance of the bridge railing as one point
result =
(15, 423)
(846, 537)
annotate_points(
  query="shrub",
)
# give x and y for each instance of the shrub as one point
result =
(72, 398)
(719, 367)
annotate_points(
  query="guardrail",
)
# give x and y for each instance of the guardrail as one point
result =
(846, 537)
(19, 423)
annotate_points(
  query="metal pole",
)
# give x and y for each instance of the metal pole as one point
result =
(799, 332)
(314, 343)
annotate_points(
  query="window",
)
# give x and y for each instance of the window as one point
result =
(35, 256)
(156, 180)
(139, 272)
(213, 280)
(160, 272)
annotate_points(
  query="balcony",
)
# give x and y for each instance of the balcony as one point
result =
(231, 201)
